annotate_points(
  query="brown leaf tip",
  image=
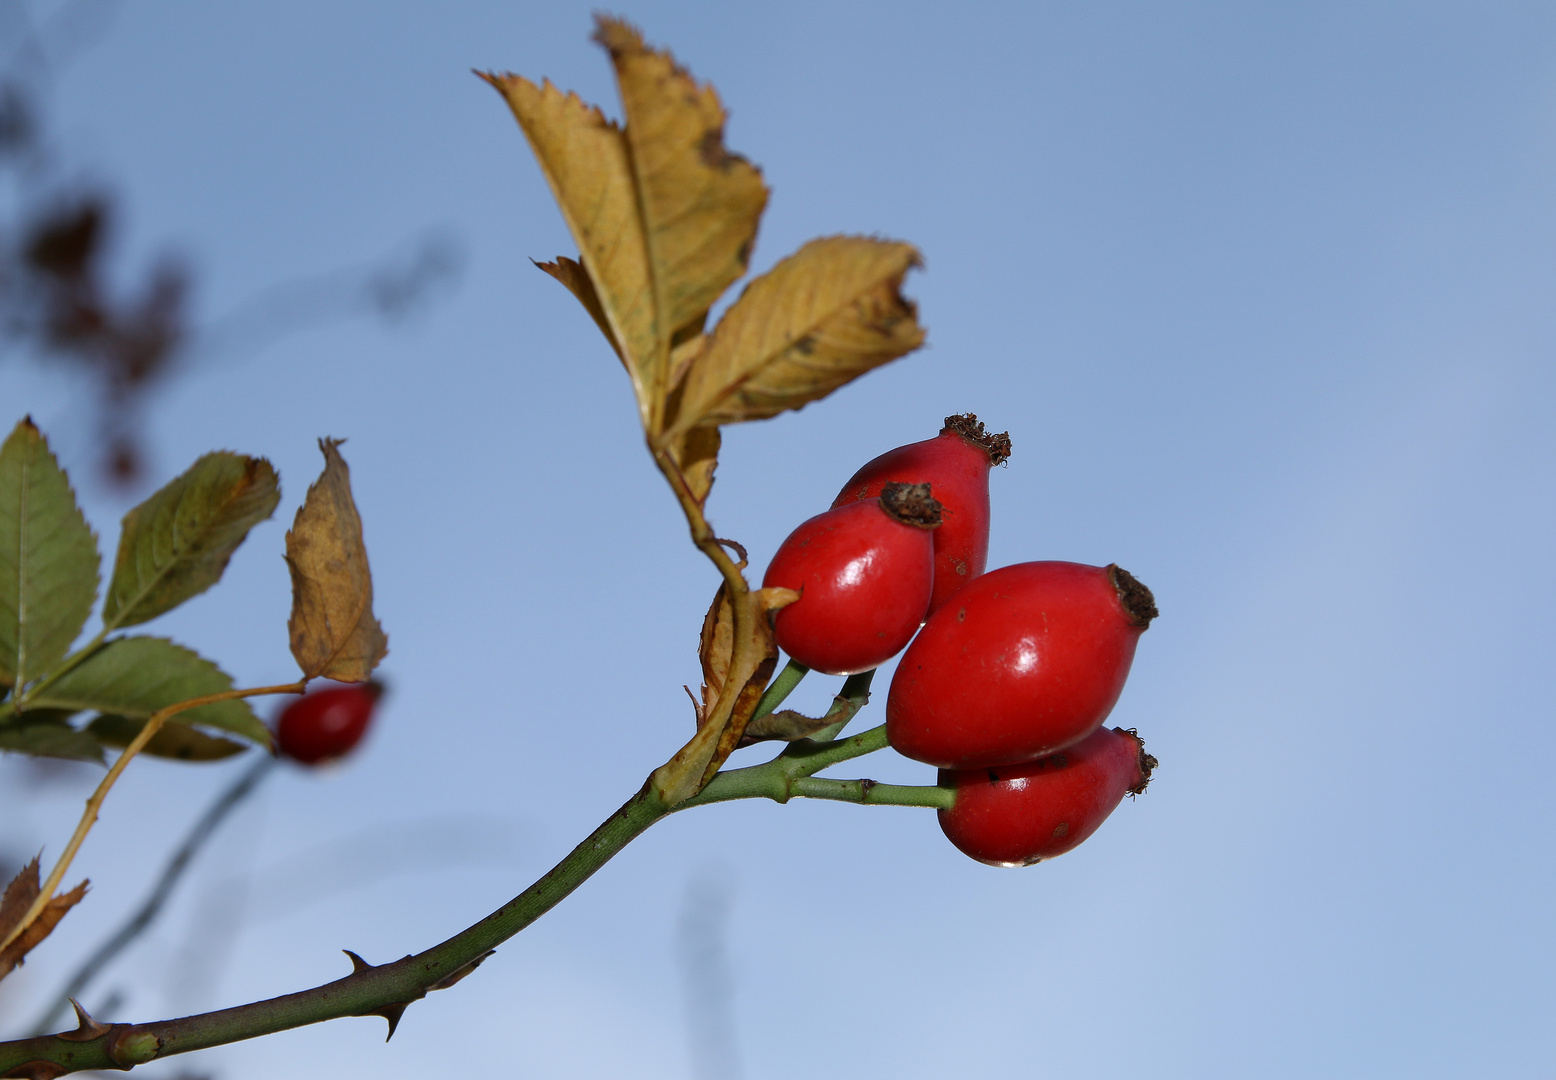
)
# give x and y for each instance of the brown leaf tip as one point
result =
(1138, 602)
(618, 36)
(969, 427)
(911, 504)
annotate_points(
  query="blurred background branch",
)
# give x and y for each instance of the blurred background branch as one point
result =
(60, 302)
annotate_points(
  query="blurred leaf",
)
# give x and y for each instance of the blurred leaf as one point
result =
(820, 318)
(333, 631)
(18, 899)
(48, 559)
(571, 273)
(175, 740)
(137, 676)
(700, 203)
(176, 544)
(584, 158)
(43, 733)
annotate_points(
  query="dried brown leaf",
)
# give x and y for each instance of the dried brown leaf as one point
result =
(585, 160)
(333, 631)
(700, 203)
(19, 897)
(715, 648)
(749, 666)
(820, 318)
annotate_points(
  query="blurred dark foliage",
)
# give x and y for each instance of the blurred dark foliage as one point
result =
(58, 298)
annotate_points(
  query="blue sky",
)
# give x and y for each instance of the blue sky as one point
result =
(1263, 294)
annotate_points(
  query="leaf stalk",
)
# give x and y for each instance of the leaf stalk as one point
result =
(95, 802)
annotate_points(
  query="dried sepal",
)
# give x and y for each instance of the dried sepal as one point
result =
(785, 725)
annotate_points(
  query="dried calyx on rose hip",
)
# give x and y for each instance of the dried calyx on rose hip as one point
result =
(1024, 661)
(864, 572)
(327, 724)
(1016, 815)
(956, 464)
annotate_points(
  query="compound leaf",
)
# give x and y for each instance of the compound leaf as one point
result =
(333, 631)
(664, 215)
(176, 544)
(584, 158)
(820, 318)
(48, 559)
(700, 203)
(137, 676)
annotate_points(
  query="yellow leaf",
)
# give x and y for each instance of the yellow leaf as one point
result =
(700, 204)
(822, 317)
(571, 273)
(696, 454)
(333, 631)
(584, 158)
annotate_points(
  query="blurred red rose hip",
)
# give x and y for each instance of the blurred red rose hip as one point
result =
(326, 724)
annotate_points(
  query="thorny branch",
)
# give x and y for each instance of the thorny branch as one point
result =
(386, 990)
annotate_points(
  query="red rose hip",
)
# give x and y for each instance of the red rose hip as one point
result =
(1016, 815)
(863, 572)
(956, 464)
(326, 724)
(1025, 661)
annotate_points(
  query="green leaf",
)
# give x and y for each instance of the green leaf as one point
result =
(136, 676)
(49, 738)
(48, 559)
(176, 544)
(175, 740)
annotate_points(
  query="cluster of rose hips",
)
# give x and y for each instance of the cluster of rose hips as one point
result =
(1010, 674)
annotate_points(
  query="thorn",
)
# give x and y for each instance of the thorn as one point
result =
(87, 1028)
(459, 973)
(358, 965)
(391, 1013)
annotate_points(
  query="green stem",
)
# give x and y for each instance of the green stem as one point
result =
(387, 989)
(870, 793)
(152, 906)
